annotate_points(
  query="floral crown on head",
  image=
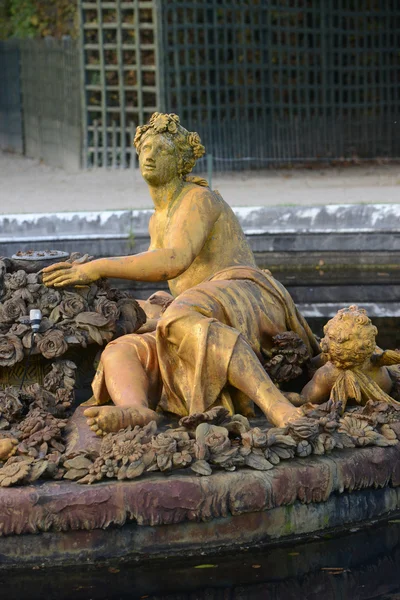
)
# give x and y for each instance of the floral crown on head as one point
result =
(161, 123)
(170, 124)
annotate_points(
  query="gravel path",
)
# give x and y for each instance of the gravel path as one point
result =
(29, 186)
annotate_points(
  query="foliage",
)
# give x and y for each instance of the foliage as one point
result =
(34, 18)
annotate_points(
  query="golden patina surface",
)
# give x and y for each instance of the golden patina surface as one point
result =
(355, 369)
(206, 348)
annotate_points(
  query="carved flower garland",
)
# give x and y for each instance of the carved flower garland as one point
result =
(35, 442)
(163, 122)
(13, 473)
(214, 440)
(52, 344)
(92, 315)
(169, 123)
(11, 350)
(203, 442)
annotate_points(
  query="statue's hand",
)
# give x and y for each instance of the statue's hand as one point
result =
(65, 274)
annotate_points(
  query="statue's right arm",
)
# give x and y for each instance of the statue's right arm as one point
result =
(159, 264)
(188, 231)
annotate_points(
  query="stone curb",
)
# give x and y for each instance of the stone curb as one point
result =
(257, 220)
(165, 499)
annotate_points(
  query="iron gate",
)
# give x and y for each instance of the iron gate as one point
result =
(281, 81)
(120, 77)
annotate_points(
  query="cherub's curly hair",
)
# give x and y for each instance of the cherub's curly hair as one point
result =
(349, 337)
(188, 143)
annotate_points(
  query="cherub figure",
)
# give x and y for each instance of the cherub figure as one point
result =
(206, 348)
(355, 369)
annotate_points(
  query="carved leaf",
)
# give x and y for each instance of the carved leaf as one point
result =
(55, 314)
(258, 462)
(75, 474)
(201, 467)
(91, 318)
(272, 456)
(95, 334)
(135, 469)
(37, 470)
(79, 462)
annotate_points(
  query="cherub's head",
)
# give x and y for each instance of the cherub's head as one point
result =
(349, 338)
(166, 149)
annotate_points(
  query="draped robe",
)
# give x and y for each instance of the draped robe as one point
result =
(187, 358)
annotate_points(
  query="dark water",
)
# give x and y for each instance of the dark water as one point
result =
(360, 565)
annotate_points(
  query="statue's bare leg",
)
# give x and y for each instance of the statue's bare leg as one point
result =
(191, 328)
(246, 373)
(128, 386)
(127, 379)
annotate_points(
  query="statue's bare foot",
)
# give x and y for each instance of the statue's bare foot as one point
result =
(107, 419)
(278, 409)
(285, 417)
(304, 427)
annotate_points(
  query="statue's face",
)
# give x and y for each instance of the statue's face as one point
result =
(158, 160)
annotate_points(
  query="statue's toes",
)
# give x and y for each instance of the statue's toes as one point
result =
(102, 423)
(91, 413)
(109, 420)
(95, 427)
(94, 420)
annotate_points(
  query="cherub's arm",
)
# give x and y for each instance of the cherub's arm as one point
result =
(187, 233)
(385, 358)
(319, 388)
(318, 361)
(316, 391)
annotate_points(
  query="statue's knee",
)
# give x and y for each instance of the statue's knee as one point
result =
(108, 354)
(170, 322)
(176, 322)
(112, 352)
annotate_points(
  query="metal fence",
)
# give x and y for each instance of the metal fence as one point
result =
(11, 138)
(264, 82)
(51, 101)
(120, 81)
(285, 80)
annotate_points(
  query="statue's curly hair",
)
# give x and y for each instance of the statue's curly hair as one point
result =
(349, 337)
(188, 143)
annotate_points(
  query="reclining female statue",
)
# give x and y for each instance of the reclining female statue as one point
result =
(207, 346)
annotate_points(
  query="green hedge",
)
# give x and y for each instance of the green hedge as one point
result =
(34, 18)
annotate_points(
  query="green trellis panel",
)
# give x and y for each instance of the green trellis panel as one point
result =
(263, 81)
(282, 81)
(120, 77)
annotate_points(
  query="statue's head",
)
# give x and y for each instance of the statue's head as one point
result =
(166, 149)
(349, 338)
